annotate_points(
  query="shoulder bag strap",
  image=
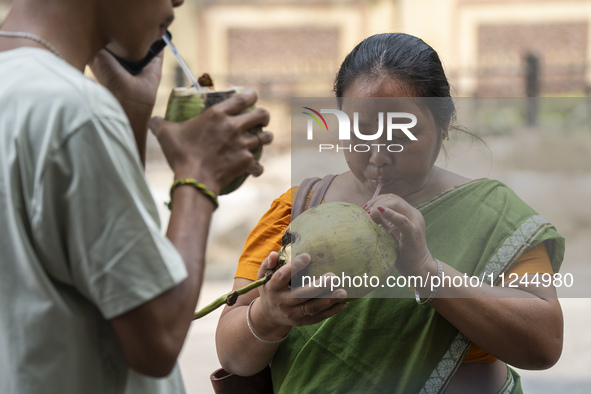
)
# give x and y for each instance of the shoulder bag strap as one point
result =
(320, 191)
(299, 203)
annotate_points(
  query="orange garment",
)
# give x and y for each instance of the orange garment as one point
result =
(266, 237)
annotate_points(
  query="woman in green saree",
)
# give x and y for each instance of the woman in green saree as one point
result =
(454, 339)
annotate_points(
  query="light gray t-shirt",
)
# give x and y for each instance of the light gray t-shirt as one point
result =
(80, 239)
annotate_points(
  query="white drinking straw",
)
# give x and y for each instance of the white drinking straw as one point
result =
(182, 63)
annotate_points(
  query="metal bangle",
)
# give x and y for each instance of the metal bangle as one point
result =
(432, 295)
(252, 332)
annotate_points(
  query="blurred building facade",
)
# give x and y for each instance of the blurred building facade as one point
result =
(4, 7)
(293, 48)
(287, 48)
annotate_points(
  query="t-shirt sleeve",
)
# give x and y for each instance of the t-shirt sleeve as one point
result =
(265, 237)
(96, 224)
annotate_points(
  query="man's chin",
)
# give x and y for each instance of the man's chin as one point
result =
(131, 57)
(130, 54)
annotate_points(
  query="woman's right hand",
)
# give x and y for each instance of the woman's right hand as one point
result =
(407, 226)
(273, 312)
(280, 307)
(214, 147)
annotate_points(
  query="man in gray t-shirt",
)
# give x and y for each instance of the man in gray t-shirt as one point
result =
(93, 298)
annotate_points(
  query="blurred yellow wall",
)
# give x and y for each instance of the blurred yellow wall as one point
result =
(288, 48)
(4, 7)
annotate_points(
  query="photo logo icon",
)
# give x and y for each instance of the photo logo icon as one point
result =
(316, 117)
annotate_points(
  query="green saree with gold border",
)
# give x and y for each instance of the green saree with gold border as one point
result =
(394, 345)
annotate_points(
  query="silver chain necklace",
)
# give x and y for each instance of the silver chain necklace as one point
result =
(19, 34)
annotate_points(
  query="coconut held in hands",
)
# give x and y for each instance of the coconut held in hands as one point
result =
(187, 103)
(343, 239)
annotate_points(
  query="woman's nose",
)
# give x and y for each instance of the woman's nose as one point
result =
(380, 156)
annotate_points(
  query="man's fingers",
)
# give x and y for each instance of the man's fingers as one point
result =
(255, 140)
(155, 64)
(239, 102)
(154, 125)
(102, 59)
(256, 169)
(257, 117)
(264, 137)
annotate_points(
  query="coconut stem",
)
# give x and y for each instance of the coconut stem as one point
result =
(230, 298)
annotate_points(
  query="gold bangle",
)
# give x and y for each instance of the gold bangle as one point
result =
(197, 185)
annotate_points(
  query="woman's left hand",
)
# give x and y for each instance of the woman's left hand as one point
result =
(407, 226)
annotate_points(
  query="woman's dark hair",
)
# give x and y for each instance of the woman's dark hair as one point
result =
(405, 58)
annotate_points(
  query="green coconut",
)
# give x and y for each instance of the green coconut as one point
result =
(187, 103)
(341, 238)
